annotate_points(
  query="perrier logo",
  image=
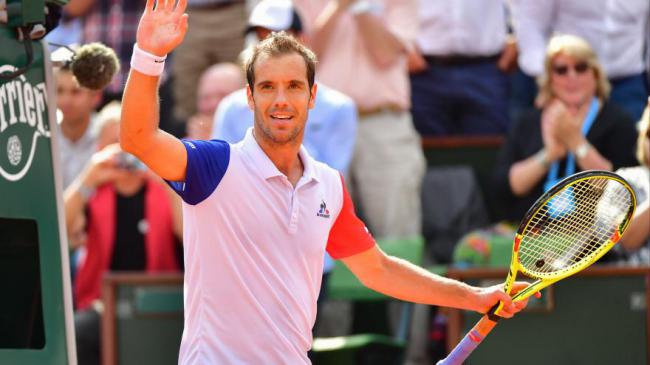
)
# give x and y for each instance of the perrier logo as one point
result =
(23, 119)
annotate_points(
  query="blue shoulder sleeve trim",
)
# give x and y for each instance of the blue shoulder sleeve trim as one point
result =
(207, 162)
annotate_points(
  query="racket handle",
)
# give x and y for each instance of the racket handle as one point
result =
(492, 312)
(470, 342)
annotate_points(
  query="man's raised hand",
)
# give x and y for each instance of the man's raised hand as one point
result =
(162, 28)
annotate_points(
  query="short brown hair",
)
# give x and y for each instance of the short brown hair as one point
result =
(279, 44)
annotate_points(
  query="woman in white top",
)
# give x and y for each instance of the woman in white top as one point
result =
(635, 244)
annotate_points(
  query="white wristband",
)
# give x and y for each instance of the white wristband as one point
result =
(582, 150)
(542, 158)
(147, 63)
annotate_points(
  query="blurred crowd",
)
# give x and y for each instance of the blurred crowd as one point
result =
(563, 83)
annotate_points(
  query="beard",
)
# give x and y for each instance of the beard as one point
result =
(289, 136)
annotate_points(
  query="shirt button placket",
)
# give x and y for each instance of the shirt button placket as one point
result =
(293, 222)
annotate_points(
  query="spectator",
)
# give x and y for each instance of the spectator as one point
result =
(133, 221)
(216, 35)
(634, 247)
(614, 28)
(362, 47)
(458, 68)
(215, 83)
(76, 122)
(575, 129)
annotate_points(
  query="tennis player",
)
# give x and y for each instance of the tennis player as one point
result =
(258, 215)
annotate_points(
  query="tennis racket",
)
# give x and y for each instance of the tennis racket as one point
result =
(568, 228)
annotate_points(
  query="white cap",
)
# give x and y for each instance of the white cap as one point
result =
(276, 15)
(63, 55)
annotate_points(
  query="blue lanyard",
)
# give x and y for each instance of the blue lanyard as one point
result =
(552, 178)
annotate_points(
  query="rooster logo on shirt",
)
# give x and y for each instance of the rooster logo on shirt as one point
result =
(323, 211)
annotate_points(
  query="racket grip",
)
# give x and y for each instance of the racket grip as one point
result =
(492, 313)
(469, 343)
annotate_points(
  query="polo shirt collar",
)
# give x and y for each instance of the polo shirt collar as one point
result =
(266, 168)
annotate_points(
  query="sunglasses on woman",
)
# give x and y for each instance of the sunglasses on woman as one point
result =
(579, 68)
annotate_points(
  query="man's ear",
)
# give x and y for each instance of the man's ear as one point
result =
(312, 97)
(249, 97)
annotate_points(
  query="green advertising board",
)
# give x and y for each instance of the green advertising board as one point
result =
(36, 306)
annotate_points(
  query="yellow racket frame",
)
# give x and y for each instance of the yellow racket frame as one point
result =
(543, 282)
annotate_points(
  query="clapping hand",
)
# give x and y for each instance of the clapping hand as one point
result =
(568, 129)
(162, 29)
(552, 116)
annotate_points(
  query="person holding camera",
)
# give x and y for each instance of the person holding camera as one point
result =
(122, 218)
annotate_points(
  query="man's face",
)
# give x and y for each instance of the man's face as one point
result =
(281, 98)
(75, 102)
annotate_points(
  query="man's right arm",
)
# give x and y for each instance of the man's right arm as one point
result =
(139, 132)
(159, 32)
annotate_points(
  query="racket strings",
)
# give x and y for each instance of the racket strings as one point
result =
(573, 225)
(581, 227)
(566, 234)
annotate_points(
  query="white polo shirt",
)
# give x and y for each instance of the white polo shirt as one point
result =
(254, 250)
